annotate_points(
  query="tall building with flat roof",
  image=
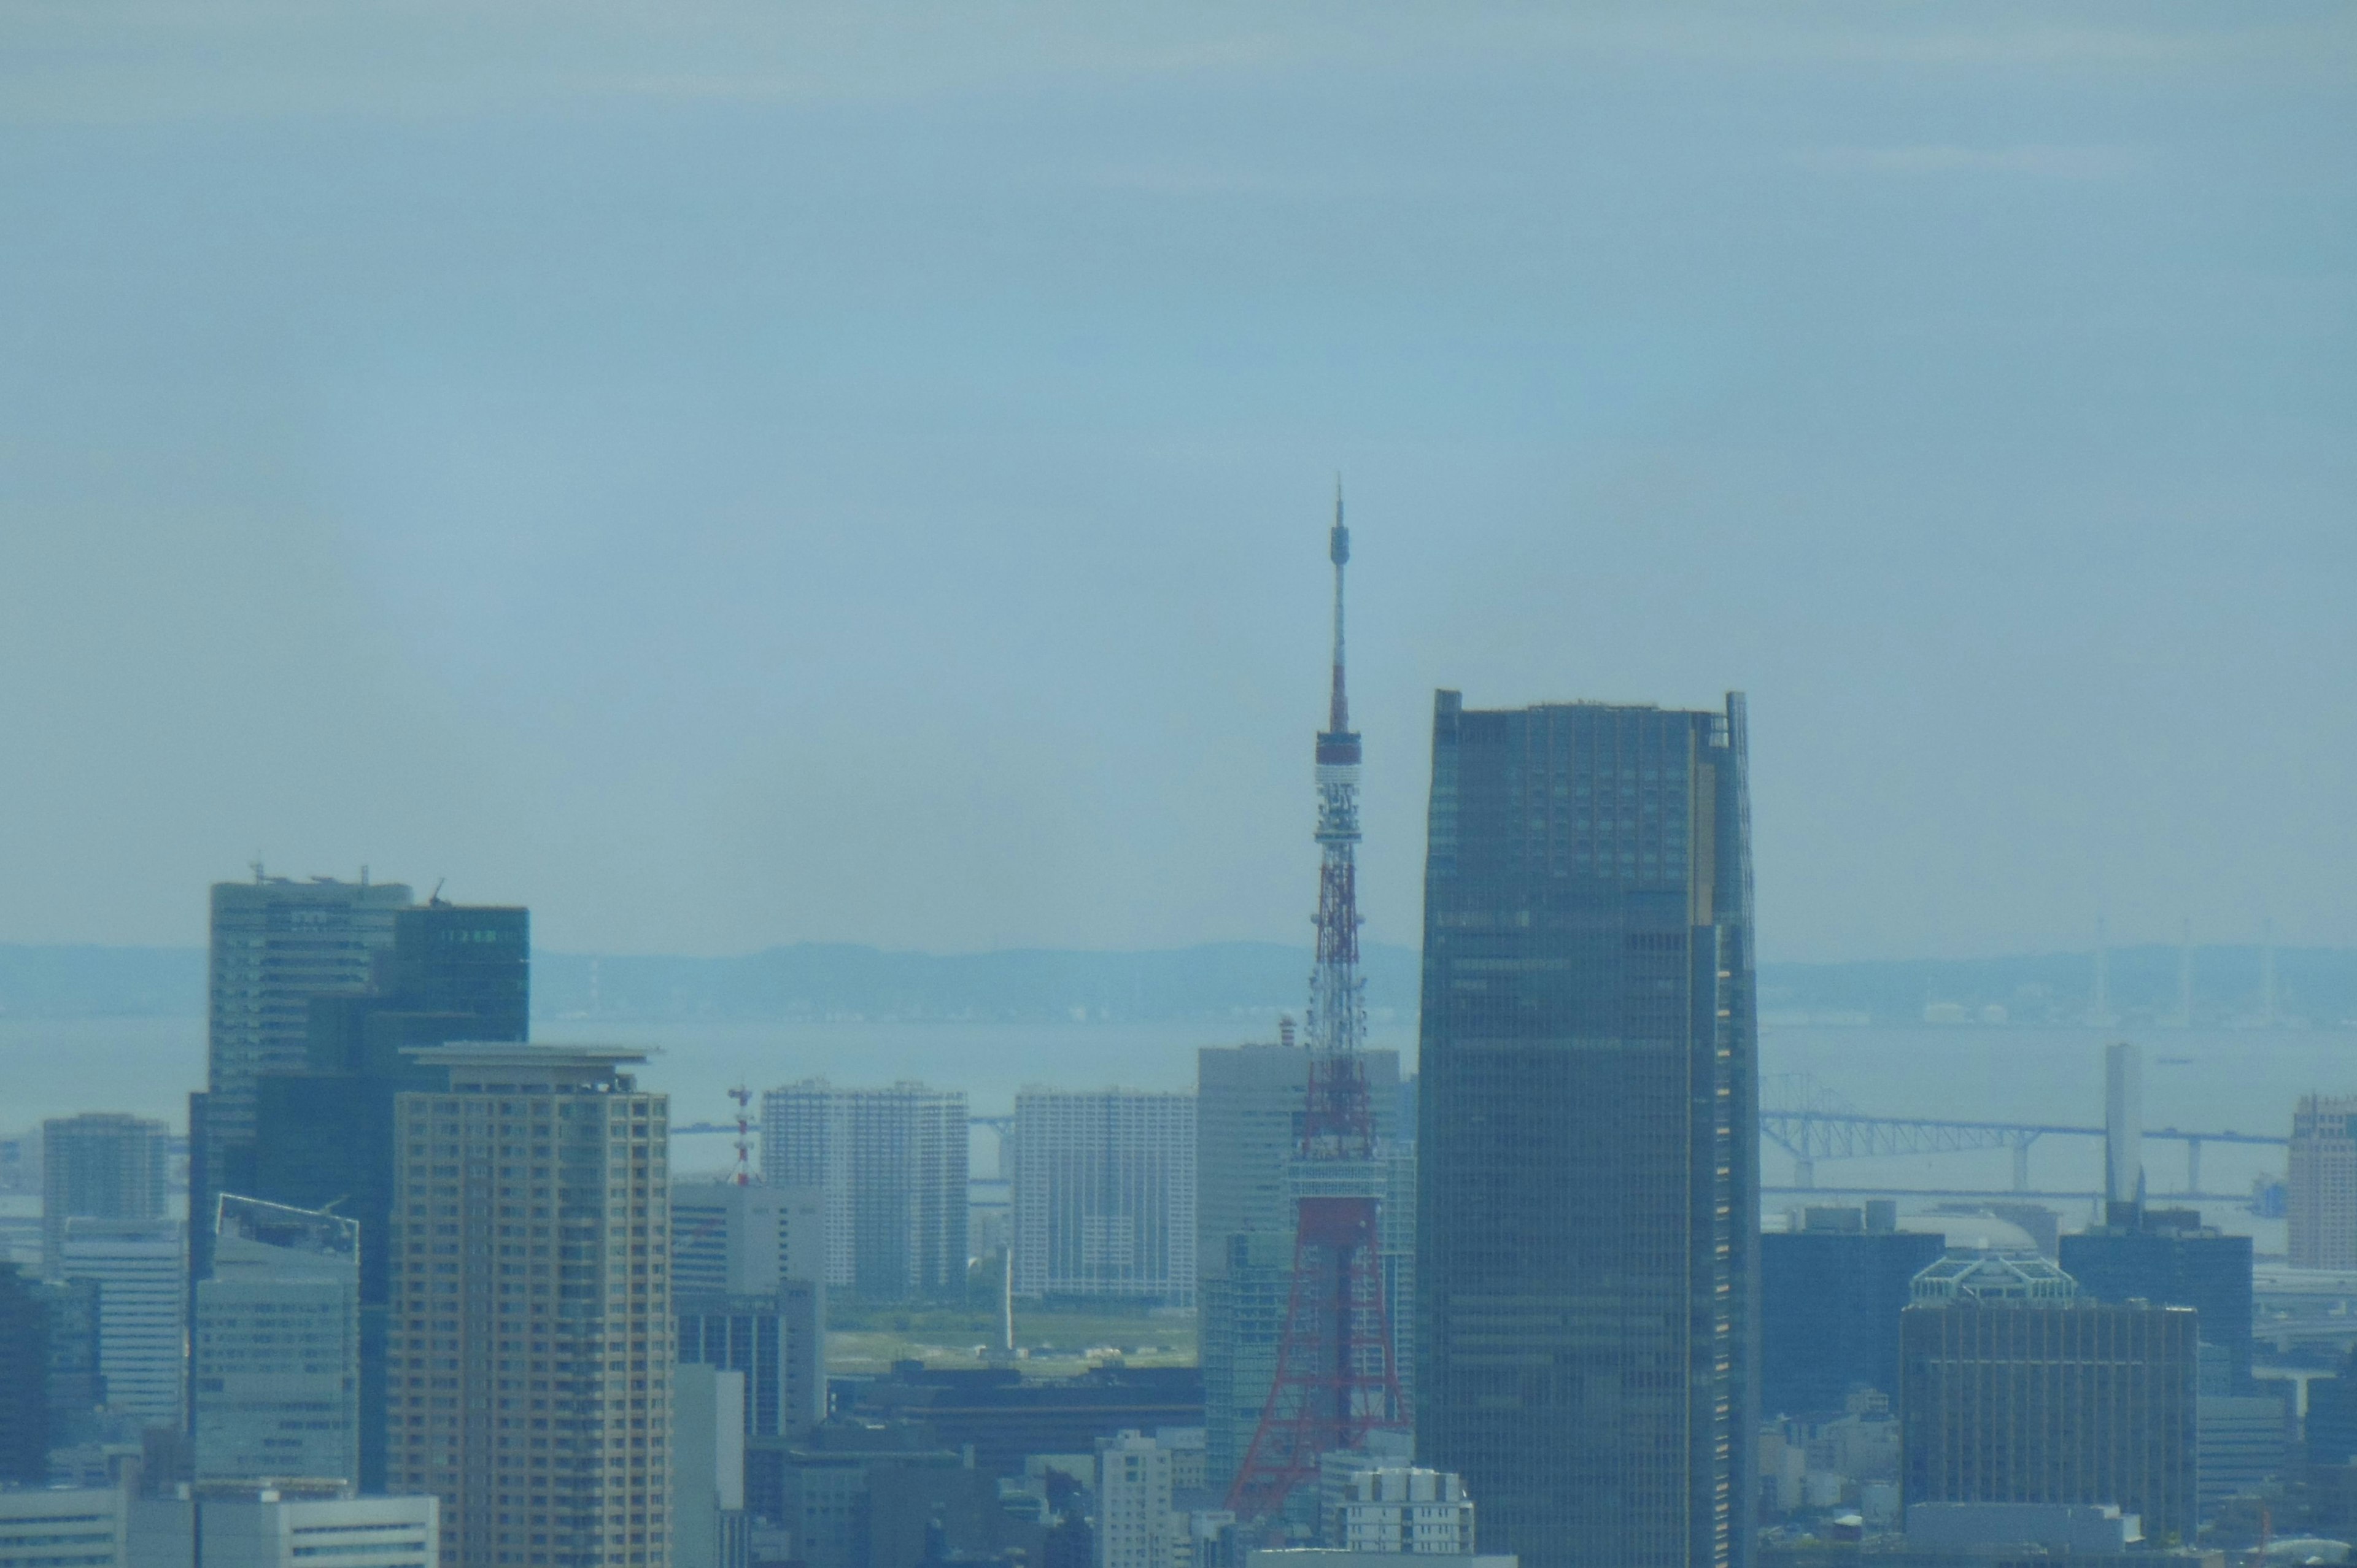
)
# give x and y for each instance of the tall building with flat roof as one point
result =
(276, 943)
(1105, 1195)
(2321, 1183)
(1829, 1304)
(275, 1373)
(2015, 1389)
(24, 1380)
(141, 1269)
(891, 1164)
(2168, 1256)
(1587, 1225)
(532, 1284)
(324, 1134)
(99, 1167)
(1248, 1101)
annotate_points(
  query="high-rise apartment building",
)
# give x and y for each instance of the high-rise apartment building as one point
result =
(1248, 1107)
(1830, 1296)
(275, 1375)
(1588, 1219)
(1136, 1526)
(2015, 1389)
(140, 1267)
(1105, 1195)
(2169, 1257)
(530, 1344)
(99, 1168)
(454, 972)
(2321, 1229)
(891, 1166)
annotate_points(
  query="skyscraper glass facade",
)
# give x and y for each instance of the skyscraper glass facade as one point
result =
(1588, 1210)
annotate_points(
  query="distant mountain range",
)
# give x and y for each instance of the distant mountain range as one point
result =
(840, 981)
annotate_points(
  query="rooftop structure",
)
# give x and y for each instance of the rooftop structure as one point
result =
(1991, 1277)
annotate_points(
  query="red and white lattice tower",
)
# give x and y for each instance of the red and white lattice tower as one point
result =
(743, 1175)
(1337, 1379)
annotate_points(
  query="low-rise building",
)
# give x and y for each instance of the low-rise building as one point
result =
(62, 1527)
(1403, 1509)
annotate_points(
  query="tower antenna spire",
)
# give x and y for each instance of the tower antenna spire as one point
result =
(1336, 1376)
(1338, 550)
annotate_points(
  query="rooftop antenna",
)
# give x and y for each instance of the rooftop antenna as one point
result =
(744, 1099)
(256, 863)
(435, 896)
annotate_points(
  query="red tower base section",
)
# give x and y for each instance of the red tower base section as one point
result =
(1335, 1377)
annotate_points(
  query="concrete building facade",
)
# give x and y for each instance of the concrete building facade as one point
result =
(63, 1526)
(891, 1167)
(2030, 1393)
(1587, 1156)
(275, 1377)
(533, 1286)
(140, 1267)
(1403, 1509)
(2321, 1183)
(101, 1167)
(1105, 1195)
(1136, 1525)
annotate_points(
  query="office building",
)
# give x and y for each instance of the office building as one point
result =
(283, 1522)
(1248, 1106)
(1006, 1419)
(1587, 1153)
(276, 943)
(77, 1390)
(530, 1228)
(732, 1240)
(708, 1468)
(99, 1168)
(1830, 1296)
(1136, 1526)
(2242, 1444)
(62, 1527)
(453, 972)
(140, 1267)
(1105, 1195)
(891, 1167)
(24, 1381)
(1396, 1508)
(2168, 1256)
(2321, 1183)
(2015, 1389)
(275, 1374)
(776, 1341)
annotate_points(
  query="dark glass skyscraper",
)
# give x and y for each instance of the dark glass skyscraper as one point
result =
(1588, 1213)
(453, 972)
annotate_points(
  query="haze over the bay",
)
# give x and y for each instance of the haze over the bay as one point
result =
(851, 473)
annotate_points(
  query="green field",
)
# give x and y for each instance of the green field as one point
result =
(1053, 1341)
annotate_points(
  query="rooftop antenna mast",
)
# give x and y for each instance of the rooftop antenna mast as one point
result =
(1336, 1366)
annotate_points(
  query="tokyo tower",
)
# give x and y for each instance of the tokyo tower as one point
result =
(1337, 1377)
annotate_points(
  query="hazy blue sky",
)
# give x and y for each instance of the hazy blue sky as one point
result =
(853, 471)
